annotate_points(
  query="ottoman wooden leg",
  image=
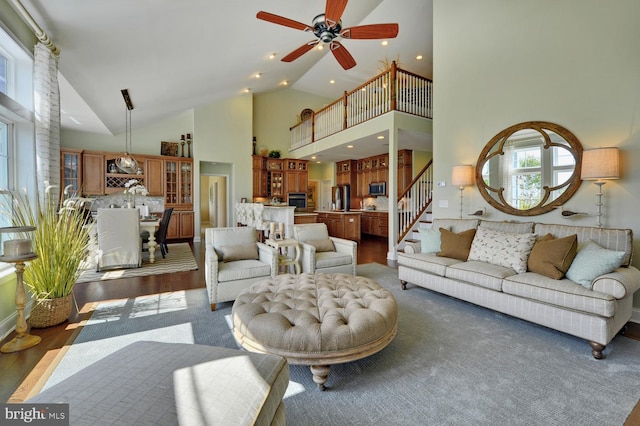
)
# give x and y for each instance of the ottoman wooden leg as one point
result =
(320, 375)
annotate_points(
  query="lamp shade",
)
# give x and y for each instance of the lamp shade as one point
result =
(600, 163)
(462, 175)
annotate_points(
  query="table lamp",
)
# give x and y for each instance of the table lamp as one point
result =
(462, 176)
(598, 164)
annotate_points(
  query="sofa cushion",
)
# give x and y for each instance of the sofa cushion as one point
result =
(242, 269)
(430, 241)
(479, 273)
(427, 262)
(563, 293)
(322, 245)
(502, 248)
(506, 226)
(552, 257)
(329, 259)
(239, 252)
(591, 261)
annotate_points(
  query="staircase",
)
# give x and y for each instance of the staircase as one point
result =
(415, 206)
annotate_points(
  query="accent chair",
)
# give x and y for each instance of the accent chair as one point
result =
(322, 253)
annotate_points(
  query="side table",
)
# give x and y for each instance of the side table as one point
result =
(282, 247)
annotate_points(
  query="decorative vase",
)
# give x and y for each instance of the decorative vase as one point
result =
(50, 312)
(130, 201)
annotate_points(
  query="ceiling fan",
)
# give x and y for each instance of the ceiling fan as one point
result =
(327, 27)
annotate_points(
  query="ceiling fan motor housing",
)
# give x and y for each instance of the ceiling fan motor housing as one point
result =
(322, 30)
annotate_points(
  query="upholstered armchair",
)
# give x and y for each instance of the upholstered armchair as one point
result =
(322, 253)
(118, 237)
(234, 259)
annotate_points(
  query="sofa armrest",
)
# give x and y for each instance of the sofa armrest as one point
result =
(620, 283)
(412, 248)
(268, 255)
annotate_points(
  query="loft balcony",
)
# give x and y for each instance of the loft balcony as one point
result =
(392, 90)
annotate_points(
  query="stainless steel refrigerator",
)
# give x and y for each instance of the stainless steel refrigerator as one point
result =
(341, 197)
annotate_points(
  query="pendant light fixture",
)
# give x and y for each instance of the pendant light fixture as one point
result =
(125, 161)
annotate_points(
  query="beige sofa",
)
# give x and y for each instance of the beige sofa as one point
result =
(596, 314)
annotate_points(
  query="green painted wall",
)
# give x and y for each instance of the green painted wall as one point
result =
(573, 62)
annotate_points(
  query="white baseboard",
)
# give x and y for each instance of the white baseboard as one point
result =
(7, 325)
(635, 315)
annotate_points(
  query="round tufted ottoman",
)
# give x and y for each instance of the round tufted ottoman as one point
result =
(315, 319)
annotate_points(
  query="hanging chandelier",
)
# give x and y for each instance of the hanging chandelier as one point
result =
(125, 161)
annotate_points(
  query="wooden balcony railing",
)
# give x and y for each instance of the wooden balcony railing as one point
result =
(392, 90)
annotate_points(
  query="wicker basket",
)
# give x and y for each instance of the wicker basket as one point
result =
(50, 312)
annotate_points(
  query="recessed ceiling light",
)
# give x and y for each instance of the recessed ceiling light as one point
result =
(318, 162)
(332, 81)
(320, 46)
(380, 137)
(349, 146)
(247, 90)
(313, 157)
(384, 42)
(419, 57)
(284, 82)
(272, 56)
(258, 75)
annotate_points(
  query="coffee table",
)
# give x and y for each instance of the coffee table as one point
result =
(316, 319)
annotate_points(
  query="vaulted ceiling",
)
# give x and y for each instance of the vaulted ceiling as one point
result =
(176, 55)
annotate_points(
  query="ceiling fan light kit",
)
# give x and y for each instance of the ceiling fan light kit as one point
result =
(327, 27)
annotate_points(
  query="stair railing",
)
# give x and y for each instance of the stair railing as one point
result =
(415, 200)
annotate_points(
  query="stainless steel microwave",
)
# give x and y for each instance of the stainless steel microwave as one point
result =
(377, 188)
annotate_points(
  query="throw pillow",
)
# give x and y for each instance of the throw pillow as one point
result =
(552, 257)
(239, 252)
(322, 245)
(507, 249)
(455, 245)
(591, 261)
(429, 240)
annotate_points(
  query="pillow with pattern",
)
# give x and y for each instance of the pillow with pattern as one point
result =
(506, 249)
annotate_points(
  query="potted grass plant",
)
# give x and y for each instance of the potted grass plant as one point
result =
(60, 241)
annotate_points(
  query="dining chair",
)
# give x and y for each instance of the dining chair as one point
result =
(160, 234)
(118, 239)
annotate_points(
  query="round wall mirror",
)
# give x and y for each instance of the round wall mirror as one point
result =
(529, 168)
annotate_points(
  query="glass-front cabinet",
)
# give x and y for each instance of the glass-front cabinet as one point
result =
(178, 178)
(71, 173)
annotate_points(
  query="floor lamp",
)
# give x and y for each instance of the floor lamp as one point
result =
(597, 164)
(462, 176)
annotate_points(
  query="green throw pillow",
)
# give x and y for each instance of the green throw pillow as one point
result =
(429, 240)
(591, 261)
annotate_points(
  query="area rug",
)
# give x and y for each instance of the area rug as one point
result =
(452, 363)
(179, 258)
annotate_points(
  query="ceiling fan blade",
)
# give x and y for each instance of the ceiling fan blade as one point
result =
(342, 55)
(280, 20)
(373, 31)
(299, 51)
(333, 12)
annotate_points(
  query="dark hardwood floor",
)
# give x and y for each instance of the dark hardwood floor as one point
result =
(21, 371)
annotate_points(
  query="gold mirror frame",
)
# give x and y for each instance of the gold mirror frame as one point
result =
(496, 147)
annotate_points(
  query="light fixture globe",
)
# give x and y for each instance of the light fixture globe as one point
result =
(125, 161)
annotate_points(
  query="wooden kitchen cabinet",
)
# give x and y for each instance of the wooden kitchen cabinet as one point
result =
(154, 176)
(259, 176)
(296, 175)
(178, 184)
(375, 223)
(181, 225)
(93, 173)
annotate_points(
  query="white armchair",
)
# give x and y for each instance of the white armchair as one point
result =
(234, 260)
(118, 238)
(322, 253)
